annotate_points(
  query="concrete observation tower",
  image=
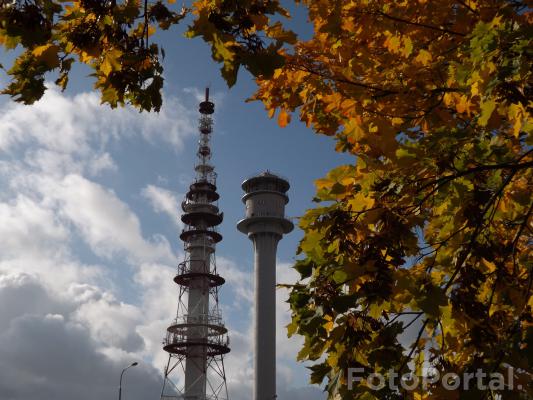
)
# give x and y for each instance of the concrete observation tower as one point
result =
(197, 339)
(265, 224)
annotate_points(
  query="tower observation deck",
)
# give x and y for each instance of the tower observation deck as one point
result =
(197, 339)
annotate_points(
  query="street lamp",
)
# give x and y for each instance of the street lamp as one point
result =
(121, 375)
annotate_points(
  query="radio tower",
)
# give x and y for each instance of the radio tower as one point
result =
(197, 339)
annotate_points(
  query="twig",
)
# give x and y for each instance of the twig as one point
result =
(519, 233)
(414, 345)
(436, 28)
(464, 254)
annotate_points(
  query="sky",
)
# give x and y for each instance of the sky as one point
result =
(89, 226)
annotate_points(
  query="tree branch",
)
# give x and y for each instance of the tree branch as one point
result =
(467, 7)
(432, 27)
(307, 68)
(515, 166)
(519, 233)
(464, 254)
(414, 345)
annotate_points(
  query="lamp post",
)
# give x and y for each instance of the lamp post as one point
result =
(121, 375)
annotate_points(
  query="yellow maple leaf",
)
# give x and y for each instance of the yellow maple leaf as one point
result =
(392, 43)
(396, 121)
(463, 105)
(516, 116)
(48, 54)
(111, 62)
(487, 107)
(323, 183)
(407, 47)
(474, 90)
(491, 267)
(424, 57)
(361, 202)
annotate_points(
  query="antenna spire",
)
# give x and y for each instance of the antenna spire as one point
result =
(197, 339)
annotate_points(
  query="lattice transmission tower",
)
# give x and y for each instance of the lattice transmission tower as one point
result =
(197, 339)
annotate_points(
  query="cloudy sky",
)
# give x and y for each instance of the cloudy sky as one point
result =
(89, 225)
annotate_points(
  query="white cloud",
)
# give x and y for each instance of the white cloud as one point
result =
(199, 95)
(105, 222)
(46, 353)
(61, 134)
(74, 124)
(287, 347)
(84, 290)
(28, 227)
(22, 294)
(164, 201)
(112, 323)
(239, 282)
(66, 332)
(159, 299)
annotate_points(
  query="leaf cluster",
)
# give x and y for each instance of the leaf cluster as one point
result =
(115, 38)
(109, 36)
(430, 229)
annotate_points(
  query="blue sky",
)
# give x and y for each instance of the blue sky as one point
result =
(89, 224)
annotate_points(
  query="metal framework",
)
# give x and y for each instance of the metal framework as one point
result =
(197, 339)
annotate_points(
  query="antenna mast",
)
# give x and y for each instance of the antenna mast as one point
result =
(197, 339)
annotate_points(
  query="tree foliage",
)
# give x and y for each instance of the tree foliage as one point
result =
(430, 228)
(115, 38)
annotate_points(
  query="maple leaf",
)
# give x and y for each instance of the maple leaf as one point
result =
(48, 54)
(284, 118)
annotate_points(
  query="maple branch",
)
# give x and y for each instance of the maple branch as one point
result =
(145, 27)
(409, 313)
(467, 7)
(381, 92)
(391, 321)
(512, 330)
(413, 321)
(493, 291)
(436, 28)
(464, 254)
(401, 314)
(515, 166)
(359, 213)
(306, 68)
(429, 268)
(519, 233)
(398, 315)
(443, 241)
(414, 345)
(529, 285)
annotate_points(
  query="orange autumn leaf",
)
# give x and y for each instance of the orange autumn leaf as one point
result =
(283, 118)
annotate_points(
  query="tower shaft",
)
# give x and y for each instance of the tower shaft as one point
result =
(198, 310)
(265, 247)
(265, 224)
